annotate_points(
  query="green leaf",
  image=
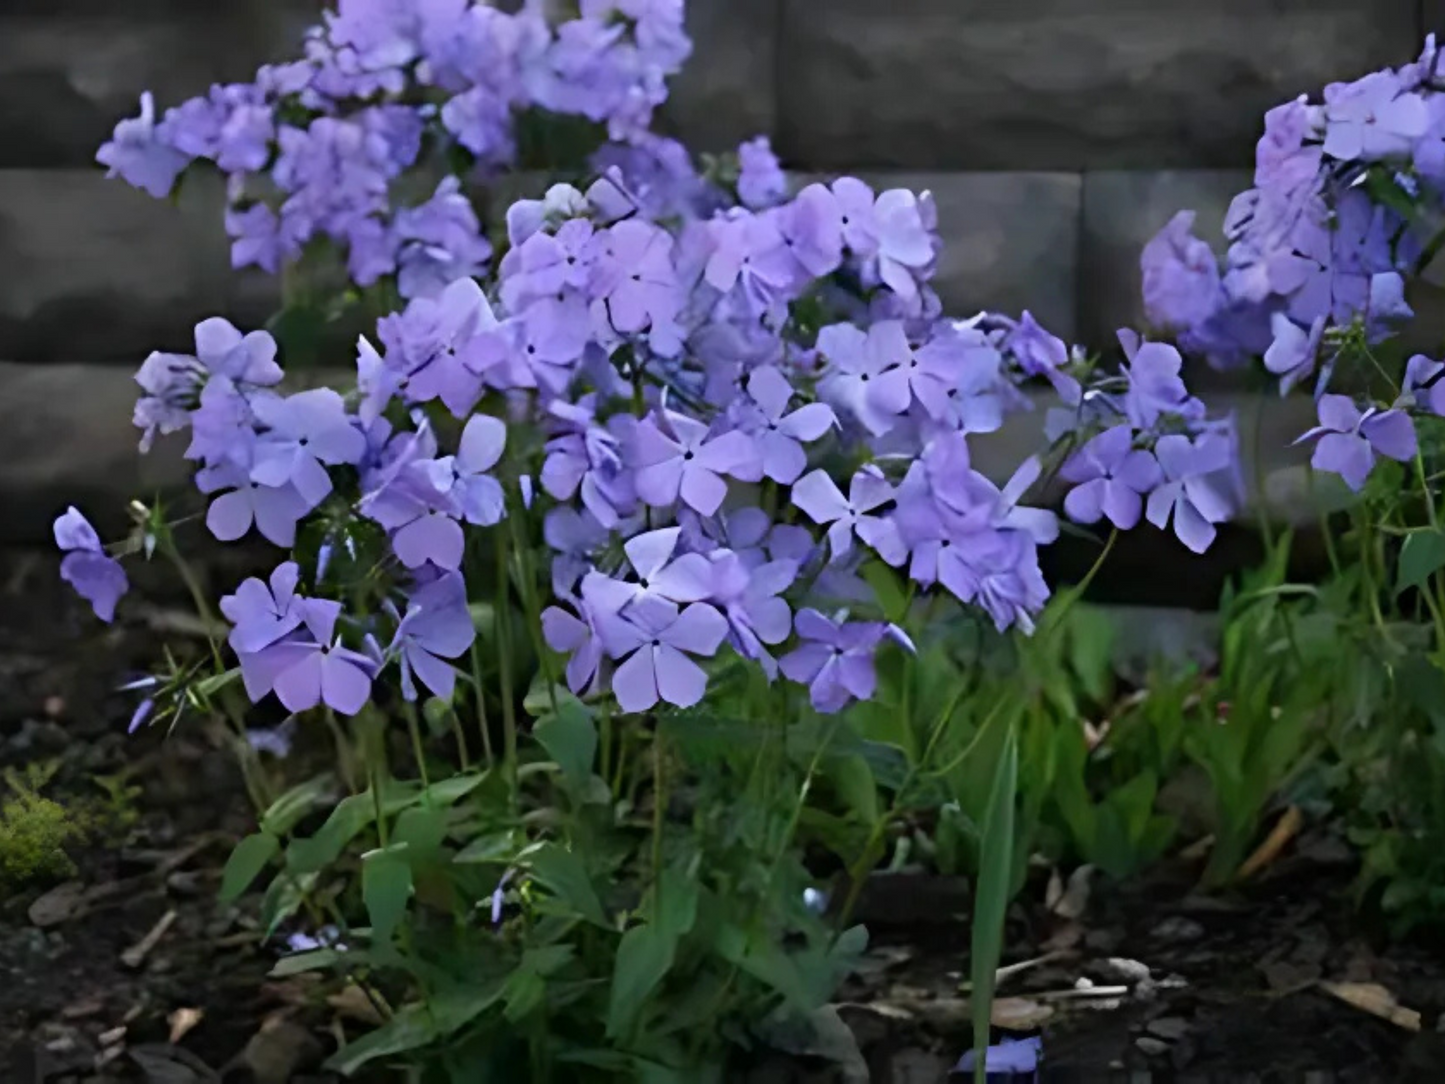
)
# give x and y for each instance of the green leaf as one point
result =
(995, 875)
(410, 1028)
(286, 811)
(564, 874)
(644, 958)
(498, 847)
(892, 598)
(422, 829)
(216, 682)
(347, 820)
(525, 991)
(453, 790)
(283, 899)
(316, 960)
(570, 738)
(1422, 555)
(246, 863)
(853, 780)
(385, 889)
(677, 898)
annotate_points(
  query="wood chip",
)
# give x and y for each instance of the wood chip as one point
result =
(1373, 998)
(113, 1037)
(58, 905)
(183, 1021)
(353, 1004)
(134, 956)
(1019, 1013)
(1075, 899)
(1285, 829)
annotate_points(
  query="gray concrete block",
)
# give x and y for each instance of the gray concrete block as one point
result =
(1060, 84)
(727, 91)
(70, 70)
(97, 270)
(66, 438)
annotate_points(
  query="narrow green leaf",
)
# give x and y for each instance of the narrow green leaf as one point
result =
(286, 811)
(1422, 555)
(422, 829)
(299, 963)
(994, 876)
(313, 854)
(498, 847)
(410, 1028)
(677, 899)
(570, 737)
(564, 874)
(853, 780)
(644, 957)
(216, 682)
(283, 899)
(385, 889)
(454, 789)
(246, 863)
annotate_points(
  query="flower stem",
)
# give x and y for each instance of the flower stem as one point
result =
(504, 642)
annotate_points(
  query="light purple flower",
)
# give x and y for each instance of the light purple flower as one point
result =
(478, 496)
(309, 673)
(440, 242)
(686, 578)
(779, 434)
(403, 498)
(654, 643)
(818, 496)
(1156, 387)
(1372, 119)
(1349, 439)
(580, 635)
(854, 363)
(96, 576)
(761, 180)
(437, 626)
(686, 463)
(547, 264)
(1110, 477)
(137, 153)
(305, 432)
(274, 510)
(634, 277)
(835, 659)
(904, 246)
(1008, 1057)
(1424, 384)
(264, 613)
(748, 595)
(1181, 276)
(1191, 491)
(1293, 353)
(812, 230)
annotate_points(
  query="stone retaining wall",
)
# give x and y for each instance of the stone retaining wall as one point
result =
(1056, 135)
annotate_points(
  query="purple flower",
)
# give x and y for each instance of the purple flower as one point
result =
(1349, 439)
(478, 496)
(586, 456)
(818, 495)
(1156, 387)
(835, 660)
(857, 215)
(812, 231)
(438, 347)
(1181, 276)
(137, 153)
(547, 264)
(687, 578)
(761, 180)
(552, 335)
(1191, 489)
(1294, 351)
(1424, 384)
(904, 246)
(305, 431)
(687, 463)
(1110, 477)
(749, 249)
(1372, 119)
(437, 626)
(274, 510)
(580, 636)
(778, 434)
(633, 276)
(440, 241)
(309, 673)
(96, 576)
(748, 595)
(854, 362)
(402, 497)
(654, 643)
(1010, 1056)
(263, 614)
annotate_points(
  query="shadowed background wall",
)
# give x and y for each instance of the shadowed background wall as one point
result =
(1056, 136)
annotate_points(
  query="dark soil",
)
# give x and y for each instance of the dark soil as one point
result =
(1221, 988)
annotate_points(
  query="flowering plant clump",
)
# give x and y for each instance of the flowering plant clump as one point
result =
(711, 439)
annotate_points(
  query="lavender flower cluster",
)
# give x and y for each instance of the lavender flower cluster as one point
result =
(719, 405)
(1346, 206)
(312, 148)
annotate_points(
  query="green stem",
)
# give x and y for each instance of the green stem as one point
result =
(414, 727)
(480, 690)
(659, 812)
(504, 642)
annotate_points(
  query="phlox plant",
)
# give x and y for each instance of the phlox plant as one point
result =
(1340, 233)
(681, 445)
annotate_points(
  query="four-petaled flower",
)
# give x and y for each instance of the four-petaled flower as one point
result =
(654, 643)
(1110, 477)
(835, 659)
(686, 463)
(437, 627)
(780, 435)
(819, 496)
